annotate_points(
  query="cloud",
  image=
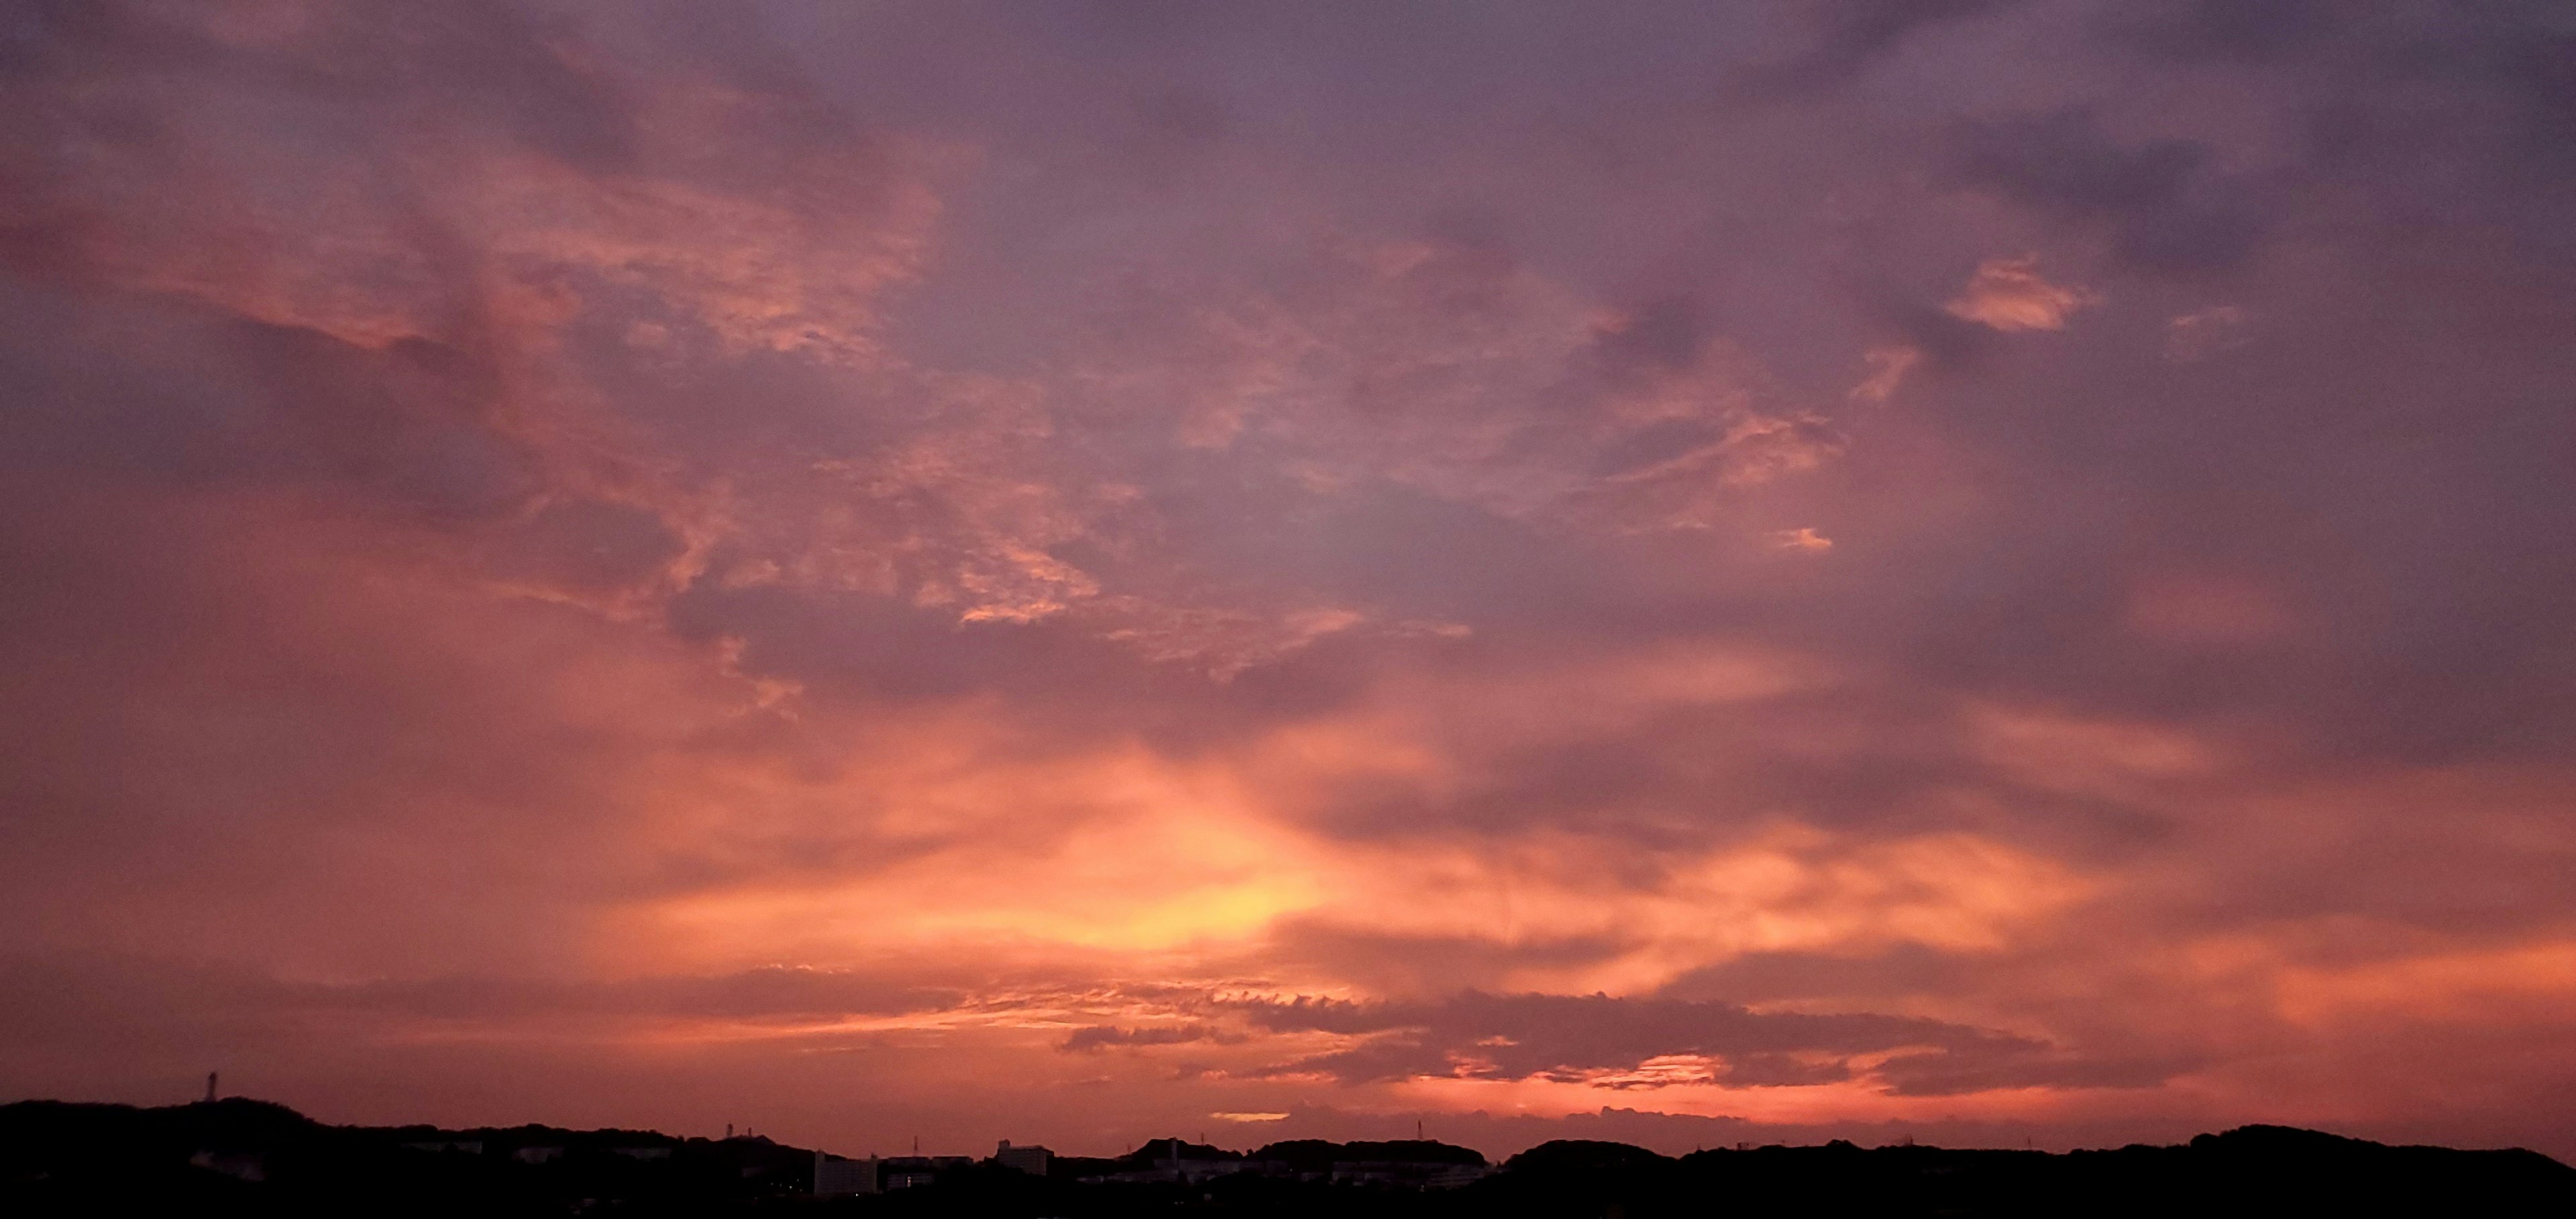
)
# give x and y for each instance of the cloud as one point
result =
(2203, 333)
(1444, 368)
(1632, 1043)
(586, 570)
(1847, 36)
(2161, 202)
(2008, 294)
(580, 190)
(1888, 366)
(2267, 33)
(1099, 1036)
(2207, 609)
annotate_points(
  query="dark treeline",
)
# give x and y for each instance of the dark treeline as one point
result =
(241, 1157)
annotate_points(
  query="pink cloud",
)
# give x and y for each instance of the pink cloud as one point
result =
(2008, 294)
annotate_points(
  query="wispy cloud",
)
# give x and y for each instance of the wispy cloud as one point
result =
(2008, 294)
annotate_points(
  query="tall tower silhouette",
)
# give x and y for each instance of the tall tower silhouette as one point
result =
(210, 1087)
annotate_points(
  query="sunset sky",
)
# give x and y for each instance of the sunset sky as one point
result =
(1080, 571)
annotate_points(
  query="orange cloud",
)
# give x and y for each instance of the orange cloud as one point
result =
(2008, 294)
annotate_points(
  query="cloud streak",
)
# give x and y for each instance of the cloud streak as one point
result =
(1631, 1044)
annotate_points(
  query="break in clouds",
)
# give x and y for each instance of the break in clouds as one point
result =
(1059, 570)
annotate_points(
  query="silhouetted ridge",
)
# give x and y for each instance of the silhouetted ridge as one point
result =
(1161, 1150)
(1395, 1151)
(1563, 1156)
(245, 1157)
(249, 1158)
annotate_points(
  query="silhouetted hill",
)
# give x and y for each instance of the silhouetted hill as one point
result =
(1161, 1150)
(2258, 1170)
(1584, 1157)
(248, 1158)
(245, 1157)
(1318, 1152)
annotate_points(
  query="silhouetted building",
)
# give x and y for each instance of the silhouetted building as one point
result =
(835, 1177)
(247, 1166)
(1407, 1174)
(466, 1146)
(1404, 1164)
(1031, 1160)
(1171, 1160)
(905, 1172)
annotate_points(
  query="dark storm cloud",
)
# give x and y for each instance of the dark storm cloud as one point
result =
(2164, 205)
(2480, 88)
(1769, 977)
(177, 398)
(2215, 29)
(1100, 1036)
(1844, 36)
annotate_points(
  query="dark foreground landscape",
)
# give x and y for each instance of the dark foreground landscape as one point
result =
(244, 1157)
